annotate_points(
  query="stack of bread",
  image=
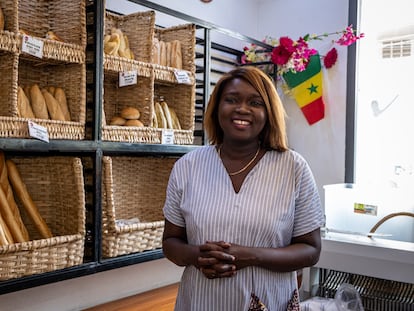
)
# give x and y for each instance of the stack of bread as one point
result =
(167, 53)
(129, 116)
(12, 228)
(46, 103)
(117, 44)
(164, 116)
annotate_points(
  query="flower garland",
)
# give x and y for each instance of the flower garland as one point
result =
(293, 56)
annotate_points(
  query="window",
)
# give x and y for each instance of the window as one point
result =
(380, 133)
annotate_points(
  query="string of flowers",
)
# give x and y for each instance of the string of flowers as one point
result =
(293, 56)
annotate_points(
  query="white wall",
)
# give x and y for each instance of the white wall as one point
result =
(322, 144)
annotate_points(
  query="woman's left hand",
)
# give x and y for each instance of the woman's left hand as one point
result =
(214, 262)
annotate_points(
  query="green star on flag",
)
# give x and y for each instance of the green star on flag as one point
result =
(306, 88)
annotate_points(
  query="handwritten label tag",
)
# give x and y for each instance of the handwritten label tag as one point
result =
(182, 76)
(167, 137)
(32, 46)
(127, 78)
(37, 131)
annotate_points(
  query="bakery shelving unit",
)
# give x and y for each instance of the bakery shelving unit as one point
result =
(92, 149)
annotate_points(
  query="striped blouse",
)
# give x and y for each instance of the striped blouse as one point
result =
(278, 200)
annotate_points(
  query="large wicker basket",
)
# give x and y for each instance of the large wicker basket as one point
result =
(57, 188)
(186, 35)
(17, 70)
(37, 18)
(138, 27)
(133, 197)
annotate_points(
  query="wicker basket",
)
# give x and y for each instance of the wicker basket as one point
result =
(186, 35)
(134, 189)
(180, 97)
(139, 28)
(65, 19)
(20, 71)
(139, 96)
(56, 187)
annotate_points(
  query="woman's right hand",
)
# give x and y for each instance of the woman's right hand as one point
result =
(214, 262)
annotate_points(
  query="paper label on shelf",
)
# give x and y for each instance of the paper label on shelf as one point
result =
(182, 76)
(127, 78)
(32, 46)
(167, 137)
(37, 131)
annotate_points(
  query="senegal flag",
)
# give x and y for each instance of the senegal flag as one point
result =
(306, 88)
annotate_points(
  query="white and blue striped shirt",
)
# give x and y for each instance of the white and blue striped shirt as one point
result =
(278, 200)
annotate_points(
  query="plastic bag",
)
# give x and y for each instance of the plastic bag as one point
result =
(346, 299)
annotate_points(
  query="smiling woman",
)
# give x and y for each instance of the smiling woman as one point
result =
(242, 214)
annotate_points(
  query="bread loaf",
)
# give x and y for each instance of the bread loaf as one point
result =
(53, 106)
(163, 54)
(117, 120)
(8, 191)
(21, 191)
(5, 235)
(1, 20)
(154, 121)
(176, 56)
(130, 113)
(161, 121)
(134, 123)
(52, 36)
(155, 57)
(175, 120)
(60, 96)
(9, 219)
(111, 44)
(24, 109)
(38, 103)
(167, 114)
(168, 49)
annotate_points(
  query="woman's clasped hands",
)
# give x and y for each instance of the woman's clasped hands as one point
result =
(215, 261)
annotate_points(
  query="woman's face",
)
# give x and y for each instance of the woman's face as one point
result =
(242, 113)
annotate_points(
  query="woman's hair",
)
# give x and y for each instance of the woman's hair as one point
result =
(273, 135)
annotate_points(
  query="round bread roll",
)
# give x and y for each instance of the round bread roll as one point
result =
(130, 113)
(134, 122)
(117, 120)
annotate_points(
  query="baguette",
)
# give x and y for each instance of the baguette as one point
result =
(175, 120)
(168, 53)
(60, 96)
(167, 114)
(5, 235)
(176, 56)
(9, 219)
(24, 109)
(21, 191)
(53, 106)
(38, 103)
(8, 191)
(155, 57)
(163, 54)
(1, 20)
(161, 121)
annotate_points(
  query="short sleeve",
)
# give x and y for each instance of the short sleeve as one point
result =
(308, 207)
(172, 210)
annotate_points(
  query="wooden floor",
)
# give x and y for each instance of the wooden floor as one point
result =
(161, 299)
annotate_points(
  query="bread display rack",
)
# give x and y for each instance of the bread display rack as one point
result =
(81, 177)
